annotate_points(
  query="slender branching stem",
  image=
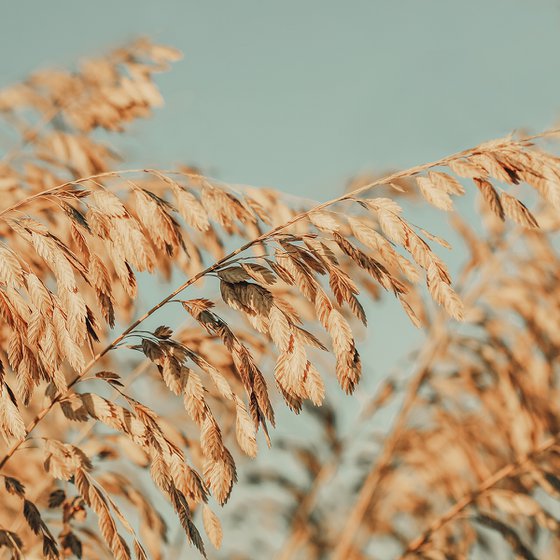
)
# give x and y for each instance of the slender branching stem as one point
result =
(438, 340)
(511, 469)
(261, 238)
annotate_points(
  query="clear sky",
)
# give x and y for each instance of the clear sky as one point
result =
(302, 94)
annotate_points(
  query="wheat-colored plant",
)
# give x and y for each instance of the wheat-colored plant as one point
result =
(269, 297)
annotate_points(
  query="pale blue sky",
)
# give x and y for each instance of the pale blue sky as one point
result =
(301, 94)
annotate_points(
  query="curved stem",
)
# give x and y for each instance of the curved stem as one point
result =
(506, 471)
(46, 192)
(347, 196)
(267, 235)
(52, 190)
(438, 340)
(376, 474)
